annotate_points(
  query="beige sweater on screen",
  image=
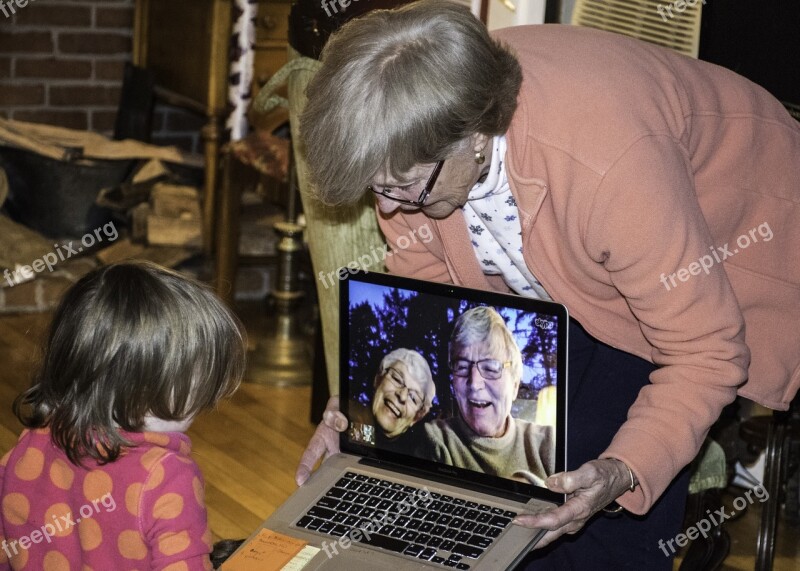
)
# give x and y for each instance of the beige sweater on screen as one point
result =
(525, 452)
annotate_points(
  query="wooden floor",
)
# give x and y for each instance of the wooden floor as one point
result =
(249, 448)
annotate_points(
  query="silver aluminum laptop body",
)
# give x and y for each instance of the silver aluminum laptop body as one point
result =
(419, 315)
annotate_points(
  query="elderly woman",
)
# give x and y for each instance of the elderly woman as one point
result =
(404, 392)
(486, 368)
(654, 195)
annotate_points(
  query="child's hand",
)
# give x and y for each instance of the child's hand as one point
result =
(325, 441)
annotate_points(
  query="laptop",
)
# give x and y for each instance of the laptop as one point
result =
(415, 497)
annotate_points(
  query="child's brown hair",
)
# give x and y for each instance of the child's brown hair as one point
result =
(129, 340)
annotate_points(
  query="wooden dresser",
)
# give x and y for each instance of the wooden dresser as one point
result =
(185, 43)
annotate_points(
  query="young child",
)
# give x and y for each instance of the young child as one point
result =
(102, 478)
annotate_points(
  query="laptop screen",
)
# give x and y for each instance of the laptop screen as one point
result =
(463, 383)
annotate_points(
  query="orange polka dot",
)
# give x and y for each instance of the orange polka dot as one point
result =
(90, 534)
(131, 546)
(86, 568)
(97, 484)
(155, 478)
(158, 438)
(199, 492)
(60, 516)
(20, 559)
(172, 543)
(185, 448)
(207, 565)
(179, 566)
(185, 459)
(168, 506)
(151, 457)
(4, 459)
(61, 474)
(16, 508)
(132, 496)
(207, 537)
(30, 465)
(54, 561)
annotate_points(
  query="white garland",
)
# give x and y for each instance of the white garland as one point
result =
(244, 30)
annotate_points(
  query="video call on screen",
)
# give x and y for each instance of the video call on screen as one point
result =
(382, 319)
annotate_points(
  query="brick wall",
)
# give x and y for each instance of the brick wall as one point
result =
(61, 62)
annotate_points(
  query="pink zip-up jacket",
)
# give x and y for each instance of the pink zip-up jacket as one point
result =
(658, 199)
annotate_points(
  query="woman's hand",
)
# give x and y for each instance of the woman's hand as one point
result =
(325, 441)
(589, 489)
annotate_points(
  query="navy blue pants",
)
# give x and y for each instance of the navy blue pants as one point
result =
(603, 383)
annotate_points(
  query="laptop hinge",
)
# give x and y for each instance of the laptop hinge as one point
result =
(443, 479)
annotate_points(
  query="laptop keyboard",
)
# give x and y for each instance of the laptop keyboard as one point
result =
(452, 532)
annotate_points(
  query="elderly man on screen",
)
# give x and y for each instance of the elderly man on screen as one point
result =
(486, 369)
(581, 166)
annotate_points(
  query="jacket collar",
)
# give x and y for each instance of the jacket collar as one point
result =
(528, 190)
(458, 253)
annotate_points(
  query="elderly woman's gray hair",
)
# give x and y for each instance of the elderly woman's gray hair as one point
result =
(417, 367)
(485, 324)
(403, 87)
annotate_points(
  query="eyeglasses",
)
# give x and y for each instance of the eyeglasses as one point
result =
(490, 369)
(399, 382)
(387, 190)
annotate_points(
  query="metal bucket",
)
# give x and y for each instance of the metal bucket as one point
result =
(57, 198)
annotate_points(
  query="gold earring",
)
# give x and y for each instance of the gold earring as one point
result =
(480, 158)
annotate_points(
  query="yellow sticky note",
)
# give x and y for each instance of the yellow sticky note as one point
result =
(267, 551)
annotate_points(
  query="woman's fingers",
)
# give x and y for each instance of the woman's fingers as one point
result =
(563, 519)
(323, 443)
(577, 508)
(551, 536)
(333, 404)
(335, 420)
(591, 487)
(592, 474)
(332, 417)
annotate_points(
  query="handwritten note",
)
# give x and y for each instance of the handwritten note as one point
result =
(270, 551)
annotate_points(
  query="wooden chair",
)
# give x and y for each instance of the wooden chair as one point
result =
(269, 156)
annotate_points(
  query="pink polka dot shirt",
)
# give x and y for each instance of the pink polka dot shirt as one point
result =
(144, 511)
